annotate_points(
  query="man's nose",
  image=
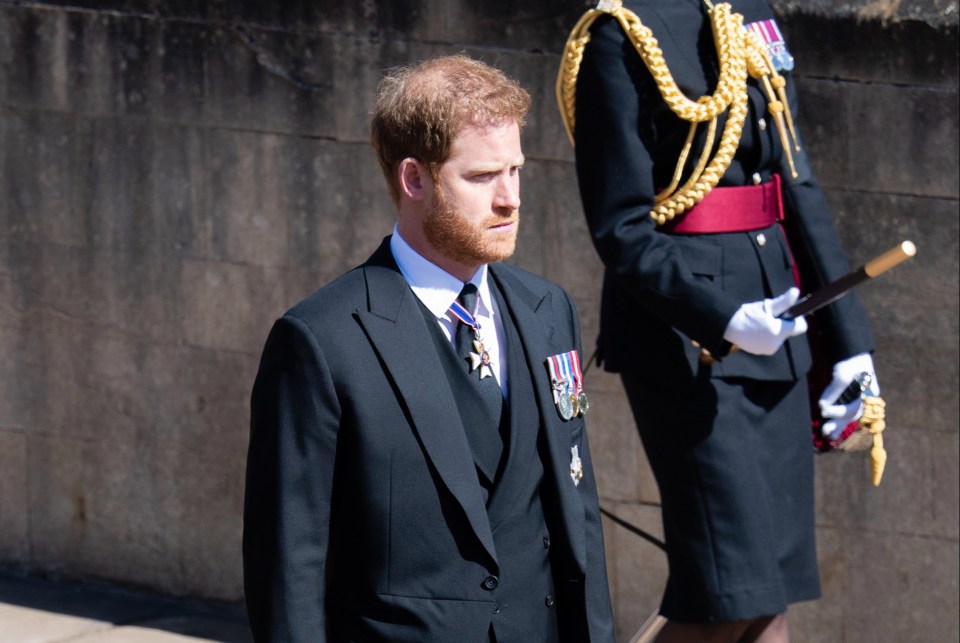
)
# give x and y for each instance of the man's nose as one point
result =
(508, 193)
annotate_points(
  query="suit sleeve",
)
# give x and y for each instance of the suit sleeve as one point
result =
(289, 482)
(596, 585)
(843, 326)
(614, 139)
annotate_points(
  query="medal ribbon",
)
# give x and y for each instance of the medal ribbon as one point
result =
(770, 34)
(577, 372)
(557, 376)
(562, 362)
(464, 316)
(566, 368)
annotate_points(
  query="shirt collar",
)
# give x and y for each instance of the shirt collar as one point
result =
(434, 286)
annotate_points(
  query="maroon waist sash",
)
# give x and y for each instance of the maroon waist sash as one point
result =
(733, 209)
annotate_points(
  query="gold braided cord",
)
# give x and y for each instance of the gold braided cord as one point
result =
(566, 87)
(740, 53)
(732, 72)
(667, 192)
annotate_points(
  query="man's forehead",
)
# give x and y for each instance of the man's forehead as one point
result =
(499, 138)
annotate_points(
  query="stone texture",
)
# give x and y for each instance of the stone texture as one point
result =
(885, 571)
(44, 611)
(176, 174)
(910, 53)
(823, 619)
(34, 626)
(915, 128)
(14, 525)
(637, 569)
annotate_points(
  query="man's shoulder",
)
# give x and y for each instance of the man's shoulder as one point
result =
(538, 285)
(344, 294)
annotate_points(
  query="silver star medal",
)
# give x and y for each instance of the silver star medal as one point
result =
(481, 358)
(576, 466)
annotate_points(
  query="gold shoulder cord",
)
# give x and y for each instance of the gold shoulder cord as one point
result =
(740, 52)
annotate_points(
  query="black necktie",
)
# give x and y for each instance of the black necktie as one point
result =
(490, 447)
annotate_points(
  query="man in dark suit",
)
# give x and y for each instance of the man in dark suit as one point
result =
(414, 472)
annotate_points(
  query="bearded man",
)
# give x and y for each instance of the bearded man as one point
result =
(418, 466)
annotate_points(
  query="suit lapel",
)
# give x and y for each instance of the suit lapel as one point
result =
(396, 328)
(534, 316)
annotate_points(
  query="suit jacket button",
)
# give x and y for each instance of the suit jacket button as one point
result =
(761, 239)
(756, 178)
(762, 124)
(546, 542)
(490, 582)
(548, 601)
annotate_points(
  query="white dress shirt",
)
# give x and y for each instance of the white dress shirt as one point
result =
(438, 289)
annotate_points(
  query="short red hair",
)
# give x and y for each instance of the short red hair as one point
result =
(421, 109)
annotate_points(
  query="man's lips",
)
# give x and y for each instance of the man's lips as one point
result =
(503, 225)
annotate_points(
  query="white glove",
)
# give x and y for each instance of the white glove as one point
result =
(838, 415)
(756, 329)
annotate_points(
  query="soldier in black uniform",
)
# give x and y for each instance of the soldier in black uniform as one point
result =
(690, 204)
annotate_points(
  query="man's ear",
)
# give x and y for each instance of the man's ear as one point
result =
(415, 179)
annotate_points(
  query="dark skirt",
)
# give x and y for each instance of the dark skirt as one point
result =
(734, 463)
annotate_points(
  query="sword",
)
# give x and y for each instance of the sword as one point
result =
(826, 295)
(829, 293)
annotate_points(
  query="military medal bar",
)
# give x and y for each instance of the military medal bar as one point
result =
(566, 380)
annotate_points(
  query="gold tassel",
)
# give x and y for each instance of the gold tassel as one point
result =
(873, 420)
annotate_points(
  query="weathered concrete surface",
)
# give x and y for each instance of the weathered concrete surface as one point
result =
(932, 12)
(33, 611)
(175, 174)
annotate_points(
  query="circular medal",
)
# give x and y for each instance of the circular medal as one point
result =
(584, 403)
(574, 404)
(564, 406)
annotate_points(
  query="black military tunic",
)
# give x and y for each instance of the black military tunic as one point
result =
(729, 442)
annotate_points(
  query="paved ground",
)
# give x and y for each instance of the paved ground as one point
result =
(39, 611)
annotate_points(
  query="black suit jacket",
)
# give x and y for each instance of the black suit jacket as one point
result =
(661, 291)
(364, 519)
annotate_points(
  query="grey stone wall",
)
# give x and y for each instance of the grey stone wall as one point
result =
(175, 174)
(941, 13)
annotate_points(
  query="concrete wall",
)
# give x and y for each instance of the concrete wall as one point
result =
(175, 174)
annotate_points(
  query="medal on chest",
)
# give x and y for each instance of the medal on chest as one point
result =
(566, 382)
(480, 357)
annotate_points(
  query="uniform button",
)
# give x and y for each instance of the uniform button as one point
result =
(756, 178)
(762, 124)
(761, 239)
(490, 582)
(546, 542)
(548, 601)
